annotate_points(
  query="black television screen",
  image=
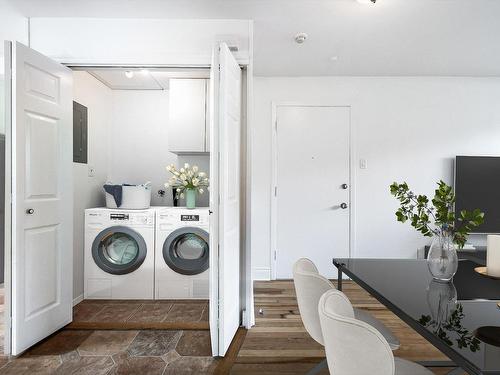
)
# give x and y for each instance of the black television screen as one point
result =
(477, 185)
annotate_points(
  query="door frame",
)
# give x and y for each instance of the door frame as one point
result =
(246, 159)
(8, 199)
(274, 179)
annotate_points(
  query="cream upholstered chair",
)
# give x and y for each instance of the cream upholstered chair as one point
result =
(310, 286)
(354, 347)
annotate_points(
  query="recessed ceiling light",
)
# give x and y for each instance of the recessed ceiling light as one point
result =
(334, 58)
(144, 71)
(129, 74)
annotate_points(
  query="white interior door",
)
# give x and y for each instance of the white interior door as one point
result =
(311, 168)
(225, 199)
(42, 197)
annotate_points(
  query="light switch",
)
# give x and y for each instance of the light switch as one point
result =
(91, 171)
(363, 164)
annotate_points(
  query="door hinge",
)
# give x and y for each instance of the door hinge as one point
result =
(275, 191)
(275, 254)
(276, 125)
(244, 318)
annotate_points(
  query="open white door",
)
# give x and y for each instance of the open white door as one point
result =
(42, 197)
(225, 199)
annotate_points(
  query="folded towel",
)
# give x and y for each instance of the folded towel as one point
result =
(116, 192)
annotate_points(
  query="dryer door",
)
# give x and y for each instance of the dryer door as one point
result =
(119, 250)
(186, 251)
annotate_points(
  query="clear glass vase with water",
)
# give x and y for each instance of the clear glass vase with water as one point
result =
(442, 258)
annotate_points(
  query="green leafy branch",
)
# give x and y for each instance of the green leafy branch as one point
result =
(438, 218)
(454, 324)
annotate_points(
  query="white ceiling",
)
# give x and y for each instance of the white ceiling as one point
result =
(392, 37)
(150, 79)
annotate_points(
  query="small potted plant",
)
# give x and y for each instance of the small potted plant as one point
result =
(439, 220)
(187, 182)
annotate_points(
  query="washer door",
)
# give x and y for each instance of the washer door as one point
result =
(119, 250)
(186, 251)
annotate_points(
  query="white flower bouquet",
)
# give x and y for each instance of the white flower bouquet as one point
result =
(186, 179)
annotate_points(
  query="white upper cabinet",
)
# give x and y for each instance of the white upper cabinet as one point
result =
(188, 123)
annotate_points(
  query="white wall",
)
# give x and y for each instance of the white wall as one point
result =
(88, 190)
(408, 129)
(138, 142)
(13, 26)
(137, 41)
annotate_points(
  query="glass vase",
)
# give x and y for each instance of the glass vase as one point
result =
(442, 301)
(190, 198)
(442, 259)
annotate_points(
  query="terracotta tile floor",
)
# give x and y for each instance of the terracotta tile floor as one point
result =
(106, 352)
(105, 311)
(148, 352)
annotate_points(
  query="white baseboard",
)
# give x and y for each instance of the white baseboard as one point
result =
(77, 300)
(261, 273)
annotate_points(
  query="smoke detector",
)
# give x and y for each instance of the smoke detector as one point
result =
(300, 38)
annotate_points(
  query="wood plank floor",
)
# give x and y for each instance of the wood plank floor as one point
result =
(279, 344)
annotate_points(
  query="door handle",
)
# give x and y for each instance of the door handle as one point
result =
(30, 211)
(344, 186)
(343, 206)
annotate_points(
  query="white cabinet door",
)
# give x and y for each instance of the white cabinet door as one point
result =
(42, 191)
(187, 127)
(225, 199)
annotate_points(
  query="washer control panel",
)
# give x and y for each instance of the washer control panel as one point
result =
(125, 218)
(105, 217)
(119, 217)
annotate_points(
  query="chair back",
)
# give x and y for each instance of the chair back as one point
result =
(309, 287)
(352, 347)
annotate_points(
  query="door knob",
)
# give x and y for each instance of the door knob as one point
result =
(343, 206)
(344, 186)
(30, 211)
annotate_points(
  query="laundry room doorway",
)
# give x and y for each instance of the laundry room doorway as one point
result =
(214, 305)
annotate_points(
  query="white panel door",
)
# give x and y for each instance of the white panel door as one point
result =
(225, 198)
(312, 165)
(42, 205)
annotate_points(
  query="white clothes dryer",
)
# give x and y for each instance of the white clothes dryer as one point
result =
(182, 253)
(119, 254)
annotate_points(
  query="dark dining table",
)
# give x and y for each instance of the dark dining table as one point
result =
(460, 318)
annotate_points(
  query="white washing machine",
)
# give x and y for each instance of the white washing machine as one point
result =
(182, 253)
(119, 254)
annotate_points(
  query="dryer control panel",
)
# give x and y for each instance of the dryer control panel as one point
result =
(190, 217)
(180, 217)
